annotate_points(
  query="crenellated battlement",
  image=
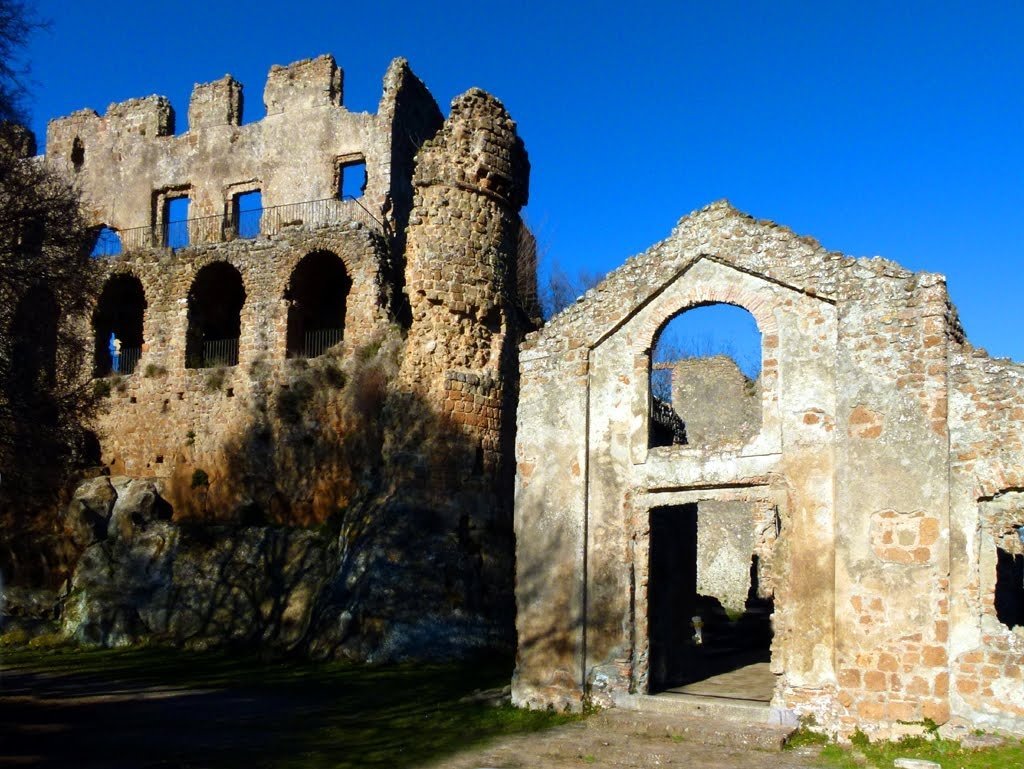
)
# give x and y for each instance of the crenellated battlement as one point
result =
(304, 85)
(129, 164)
(215, 104)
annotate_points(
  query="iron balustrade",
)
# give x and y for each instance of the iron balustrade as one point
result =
(316, 343)
(265, 220)
(215, 352)
(127, 362)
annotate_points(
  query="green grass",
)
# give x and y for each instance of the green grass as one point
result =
(335, 714)
(949, 754)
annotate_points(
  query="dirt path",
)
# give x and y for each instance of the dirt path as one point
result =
(613, 740)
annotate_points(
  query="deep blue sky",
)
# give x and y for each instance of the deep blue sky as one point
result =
(894, 129)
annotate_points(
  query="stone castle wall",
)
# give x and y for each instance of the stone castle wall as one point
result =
(395, 434)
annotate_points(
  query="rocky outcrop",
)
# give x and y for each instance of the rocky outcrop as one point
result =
(330, 592)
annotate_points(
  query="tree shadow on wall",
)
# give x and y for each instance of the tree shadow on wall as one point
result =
(407, 547)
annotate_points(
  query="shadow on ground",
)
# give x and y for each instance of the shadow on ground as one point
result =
(144, 709)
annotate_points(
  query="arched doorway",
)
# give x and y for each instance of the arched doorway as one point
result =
(317, 297)
(214, 317)
(118, 316)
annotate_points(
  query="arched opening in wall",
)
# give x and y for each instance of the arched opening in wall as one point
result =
(107, 243)
(33, 370)
(214, 317)
(705, 379)
(710, 599)
(317, 296)
(117, 326)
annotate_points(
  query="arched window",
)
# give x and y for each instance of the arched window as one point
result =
(107, 243)
(214, 317)
(705, 378)
(317, 295)
(34, 343)
(117, 326)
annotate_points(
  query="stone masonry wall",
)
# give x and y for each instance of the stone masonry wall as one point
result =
(715, 399)
(393, 441)
(865, 393)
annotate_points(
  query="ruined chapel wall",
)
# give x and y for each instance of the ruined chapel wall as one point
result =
(716, 401)
(892, 503)
(986, 454)
(853, 453)
(131, 160)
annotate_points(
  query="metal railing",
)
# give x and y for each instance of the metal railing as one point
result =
(267, 220)
(127, 362)
(316, 343)
(215, 352)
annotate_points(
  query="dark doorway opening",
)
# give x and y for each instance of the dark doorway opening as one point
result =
(1009, 595)
(214, 317)
(317, 297)
(119, 315)
(697, 646)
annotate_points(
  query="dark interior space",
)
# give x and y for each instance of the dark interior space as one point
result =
(727, 643)
(317, 296)
(1009, 597)
(119, 311)
(214, 317)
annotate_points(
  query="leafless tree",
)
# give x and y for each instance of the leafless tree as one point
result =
(46, 281)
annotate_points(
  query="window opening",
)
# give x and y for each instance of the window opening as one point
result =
(317, 296)
(351, 177)
(705, 378)
(246, 212)
(77, 154)
(1009, 592)
(176, 213)
(107, 243)
(214, 317)
(117, 326)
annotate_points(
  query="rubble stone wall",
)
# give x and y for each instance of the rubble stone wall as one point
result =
(880, 434)
(394, 440)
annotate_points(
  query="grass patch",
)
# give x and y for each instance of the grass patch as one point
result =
(949, 754)
(319, 715)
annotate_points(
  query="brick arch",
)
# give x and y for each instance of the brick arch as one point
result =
(120, 309)
(214, 327)
(317, 295)
(705, 293)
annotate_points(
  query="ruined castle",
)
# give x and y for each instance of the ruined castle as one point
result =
(312, 321)
(330, 377)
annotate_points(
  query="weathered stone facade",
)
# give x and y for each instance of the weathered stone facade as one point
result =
(395, 429)
(888, 452)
